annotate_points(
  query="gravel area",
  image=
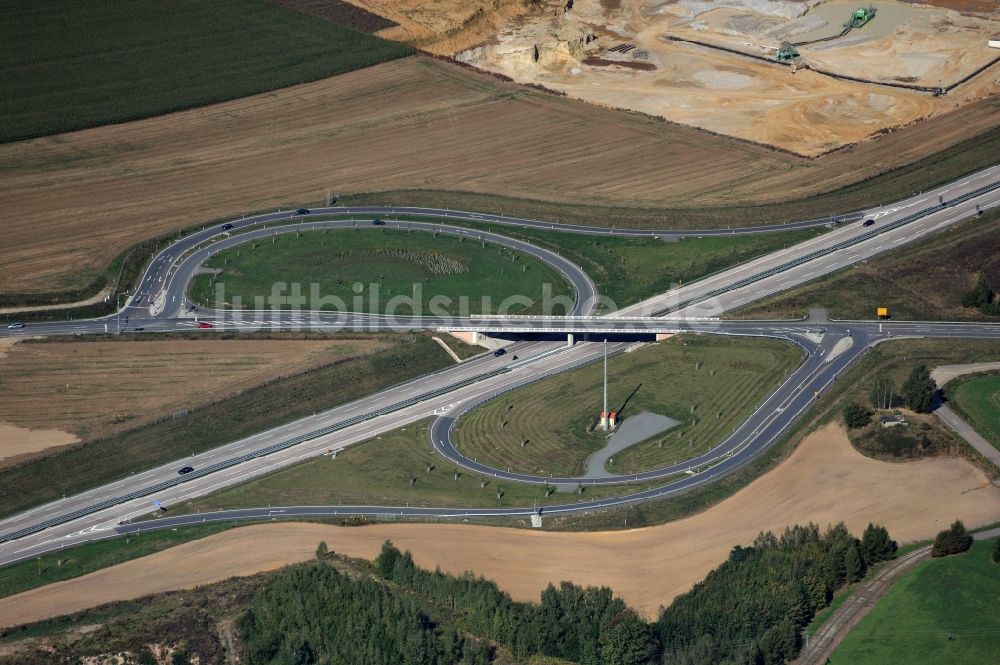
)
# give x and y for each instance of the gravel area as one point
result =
(634, 429)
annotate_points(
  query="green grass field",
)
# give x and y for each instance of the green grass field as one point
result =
(943, 611)
(838, 599)
(977, 399)
(919, 282)
(894, 358)
(69, 65)
(366, 269)
(379, 472)
(91, 463)
(628, 270)
(709, 384)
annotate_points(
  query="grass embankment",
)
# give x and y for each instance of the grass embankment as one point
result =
(923, 281)
(629, 270)
(709, 384)
(897, 356)
(398, 468)
(825, 613)
(77, 561)
(157, 57)
(89, 464)
(977, 399)
(942, 611)
(388, 264)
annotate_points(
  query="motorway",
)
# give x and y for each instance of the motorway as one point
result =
(160, 305)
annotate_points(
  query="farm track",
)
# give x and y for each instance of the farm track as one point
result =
(863, 598)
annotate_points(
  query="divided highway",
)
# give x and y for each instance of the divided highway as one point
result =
(160, 305)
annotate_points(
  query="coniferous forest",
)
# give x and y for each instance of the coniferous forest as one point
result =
(748, 611)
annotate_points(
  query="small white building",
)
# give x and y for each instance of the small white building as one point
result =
(994, 43)
(895, 420)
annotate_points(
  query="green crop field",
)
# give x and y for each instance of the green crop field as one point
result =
(366, 269)
(399, 468)
(710, 384)
(943, 611)
(977, 399)
(70, 65)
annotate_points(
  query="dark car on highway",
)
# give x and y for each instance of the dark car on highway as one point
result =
(227, 226)
(185, 469)
(378, 222)
(302, 211)
(869, 222)
(499, 352)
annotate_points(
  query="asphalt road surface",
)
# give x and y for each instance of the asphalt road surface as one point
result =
(160, 305)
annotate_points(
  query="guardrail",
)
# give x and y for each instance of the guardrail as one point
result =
(607, 317)
(831, 249)
(277, 447)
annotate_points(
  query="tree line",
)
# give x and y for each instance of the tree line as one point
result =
(748, 611)
(982, 297)
(917, 394)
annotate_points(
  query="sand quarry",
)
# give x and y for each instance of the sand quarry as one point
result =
(825, 480)
(582, 53)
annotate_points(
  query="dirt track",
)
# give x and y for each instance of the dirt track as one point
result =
(824, 480)
(73, 202)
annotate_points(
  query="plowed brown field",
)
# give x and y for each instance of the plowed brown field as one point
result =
(73, 202)
(56, 393)
(825, 480)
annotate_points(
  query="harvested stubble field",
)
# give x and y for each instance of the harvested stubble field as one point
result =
(921, 282)
(74, 202)
(88, 390)
(709, 384)
(824, 481)
(229, 417)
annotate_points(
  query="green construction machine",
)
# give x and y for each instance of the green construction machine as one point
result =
(860, 17)
(785, 52)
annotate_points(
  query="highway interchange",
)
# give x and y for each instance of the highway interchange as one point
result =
(829, 348)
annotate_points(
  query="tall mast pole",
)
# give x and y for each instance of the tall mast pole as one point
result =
(606, 383)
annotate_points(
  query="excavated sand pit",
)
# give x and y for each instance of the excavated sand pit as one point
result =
(623, 55)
